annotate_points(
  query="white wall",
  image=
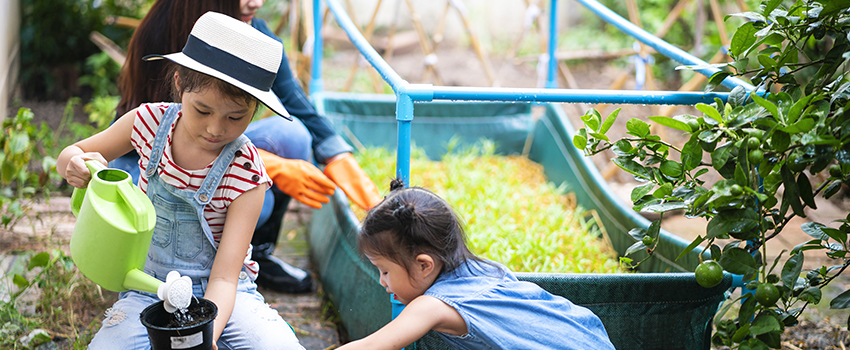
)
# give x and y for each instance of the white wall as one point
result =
(10, 21)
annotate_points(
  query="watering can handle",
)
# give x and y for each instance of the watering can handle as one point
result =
(136, 201)
(80, 193)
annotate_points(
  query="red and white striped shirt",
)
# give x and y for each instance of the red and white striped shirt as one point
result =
(244, 173)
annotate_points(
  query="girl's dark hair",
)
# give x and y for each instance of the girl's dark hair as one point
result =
(194, 81)
(163, 30)
(413, 221)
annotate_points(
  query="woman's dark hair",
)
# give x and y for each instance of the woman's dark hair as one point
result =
(164, 30)
(413, 221)
(194, 81)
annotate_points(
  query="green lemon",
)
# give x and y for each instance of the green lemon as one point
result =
(753, 143)
(835, 171)
(795, 163)
(767, 294)
(694, 125)
(709, 273)
(755, 157)
(736, 190)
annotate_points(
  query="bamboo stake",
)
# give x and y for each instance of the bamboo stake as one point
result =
(424, 43)
(370, 30)
(113, 50)
(388, 54)
(438, 34)
(718, 20)
(482, 56)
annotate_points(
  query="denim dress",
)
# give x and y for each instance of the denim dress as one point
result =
(503, 313)
(182, 241)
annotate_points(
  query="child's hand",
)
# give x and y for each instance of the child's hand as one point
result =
(77, 173)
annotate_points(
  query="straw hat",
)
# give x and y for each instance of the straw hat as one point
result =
(233, 51)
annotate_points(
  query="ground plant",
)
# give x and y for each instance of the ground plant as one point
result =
(512, 214)
(776, 149)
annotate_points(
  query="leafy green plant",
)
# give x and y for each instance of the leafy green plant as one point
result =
(55, 41)
(60, 308)
(512, 214)
(775, 149)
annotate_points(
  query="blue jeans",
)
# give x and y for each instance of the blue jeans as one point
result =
(287, 139)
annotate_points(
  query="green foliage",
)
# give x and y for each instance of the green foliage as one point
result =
(103, 72)
(512, 214)
(62, 294)
(55, 40)
(793, 135)
(27, 167)
(101, 110)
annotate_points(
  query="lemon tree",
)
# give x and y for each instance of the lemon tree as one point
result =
(776, 150)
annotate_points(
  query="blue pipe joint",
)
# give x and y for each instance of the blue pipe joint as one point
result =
(417, 92)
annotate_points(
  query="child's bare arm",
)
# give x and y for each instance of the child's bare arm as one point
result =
(103, 146)
(420, 316)
(242, 217)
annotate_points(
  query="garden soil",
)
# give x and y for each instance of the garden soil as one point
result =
(311, 315)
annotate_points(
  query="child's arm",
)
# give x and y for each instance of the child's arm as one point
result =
(239, 225)
(419, 316)
(103, 146)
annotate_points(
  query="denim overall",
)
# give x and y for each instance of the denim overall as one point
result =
(182, 241)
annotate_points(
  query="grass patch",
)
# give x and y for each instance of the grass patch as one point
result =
(512, 214)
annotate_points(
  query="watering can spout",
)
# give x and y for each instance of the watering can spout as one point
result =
(138, 280)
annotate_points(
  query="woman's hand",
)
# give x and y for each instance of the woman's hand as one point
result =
(77, 173)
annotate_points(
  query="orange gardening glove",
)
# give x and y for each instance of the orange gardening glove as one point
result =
(353, 181)
(299, 179)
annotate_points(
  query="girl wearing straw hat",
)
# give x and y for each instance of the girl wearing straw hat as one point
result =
(206, 180)
(291, 146)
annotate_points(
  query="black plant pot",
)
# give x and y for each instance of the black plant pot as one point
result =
(195, 336)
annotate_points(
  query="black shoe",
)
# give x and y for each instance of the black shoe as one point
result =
(279, 276)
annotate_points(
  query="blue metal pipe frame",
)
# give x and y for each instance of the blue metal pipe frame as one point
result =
(407, 93)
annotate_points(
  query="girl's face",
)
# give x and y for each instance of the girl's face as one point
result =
(211, 120)
(248, 8)
(405, 285)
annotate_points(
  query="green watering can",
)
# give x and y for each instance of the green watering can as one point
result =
(115, 222)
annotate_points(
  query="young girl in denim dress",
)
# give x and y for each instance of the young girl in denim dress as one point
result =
(206, 181)
(417, 243)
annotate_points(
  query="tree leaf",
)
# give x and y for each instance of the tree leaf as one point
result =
(591, 120)
(637, 246)
(580, 141)
(710, 111)
(633, 168)
(742, 40)
(641, 190)
(691, 155)
(769, 106)
(671, 123)
(842, 301)
(780, 141)
(716, 80)
(764, 323)
(812, 295)
(804, 187)
(791, 269)
(748, 309)
(20, 281)
(39, 260)
(637, 127)
(814, 229)
(738, 261)
(770, 6)
(690, 247)
(609, 121)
